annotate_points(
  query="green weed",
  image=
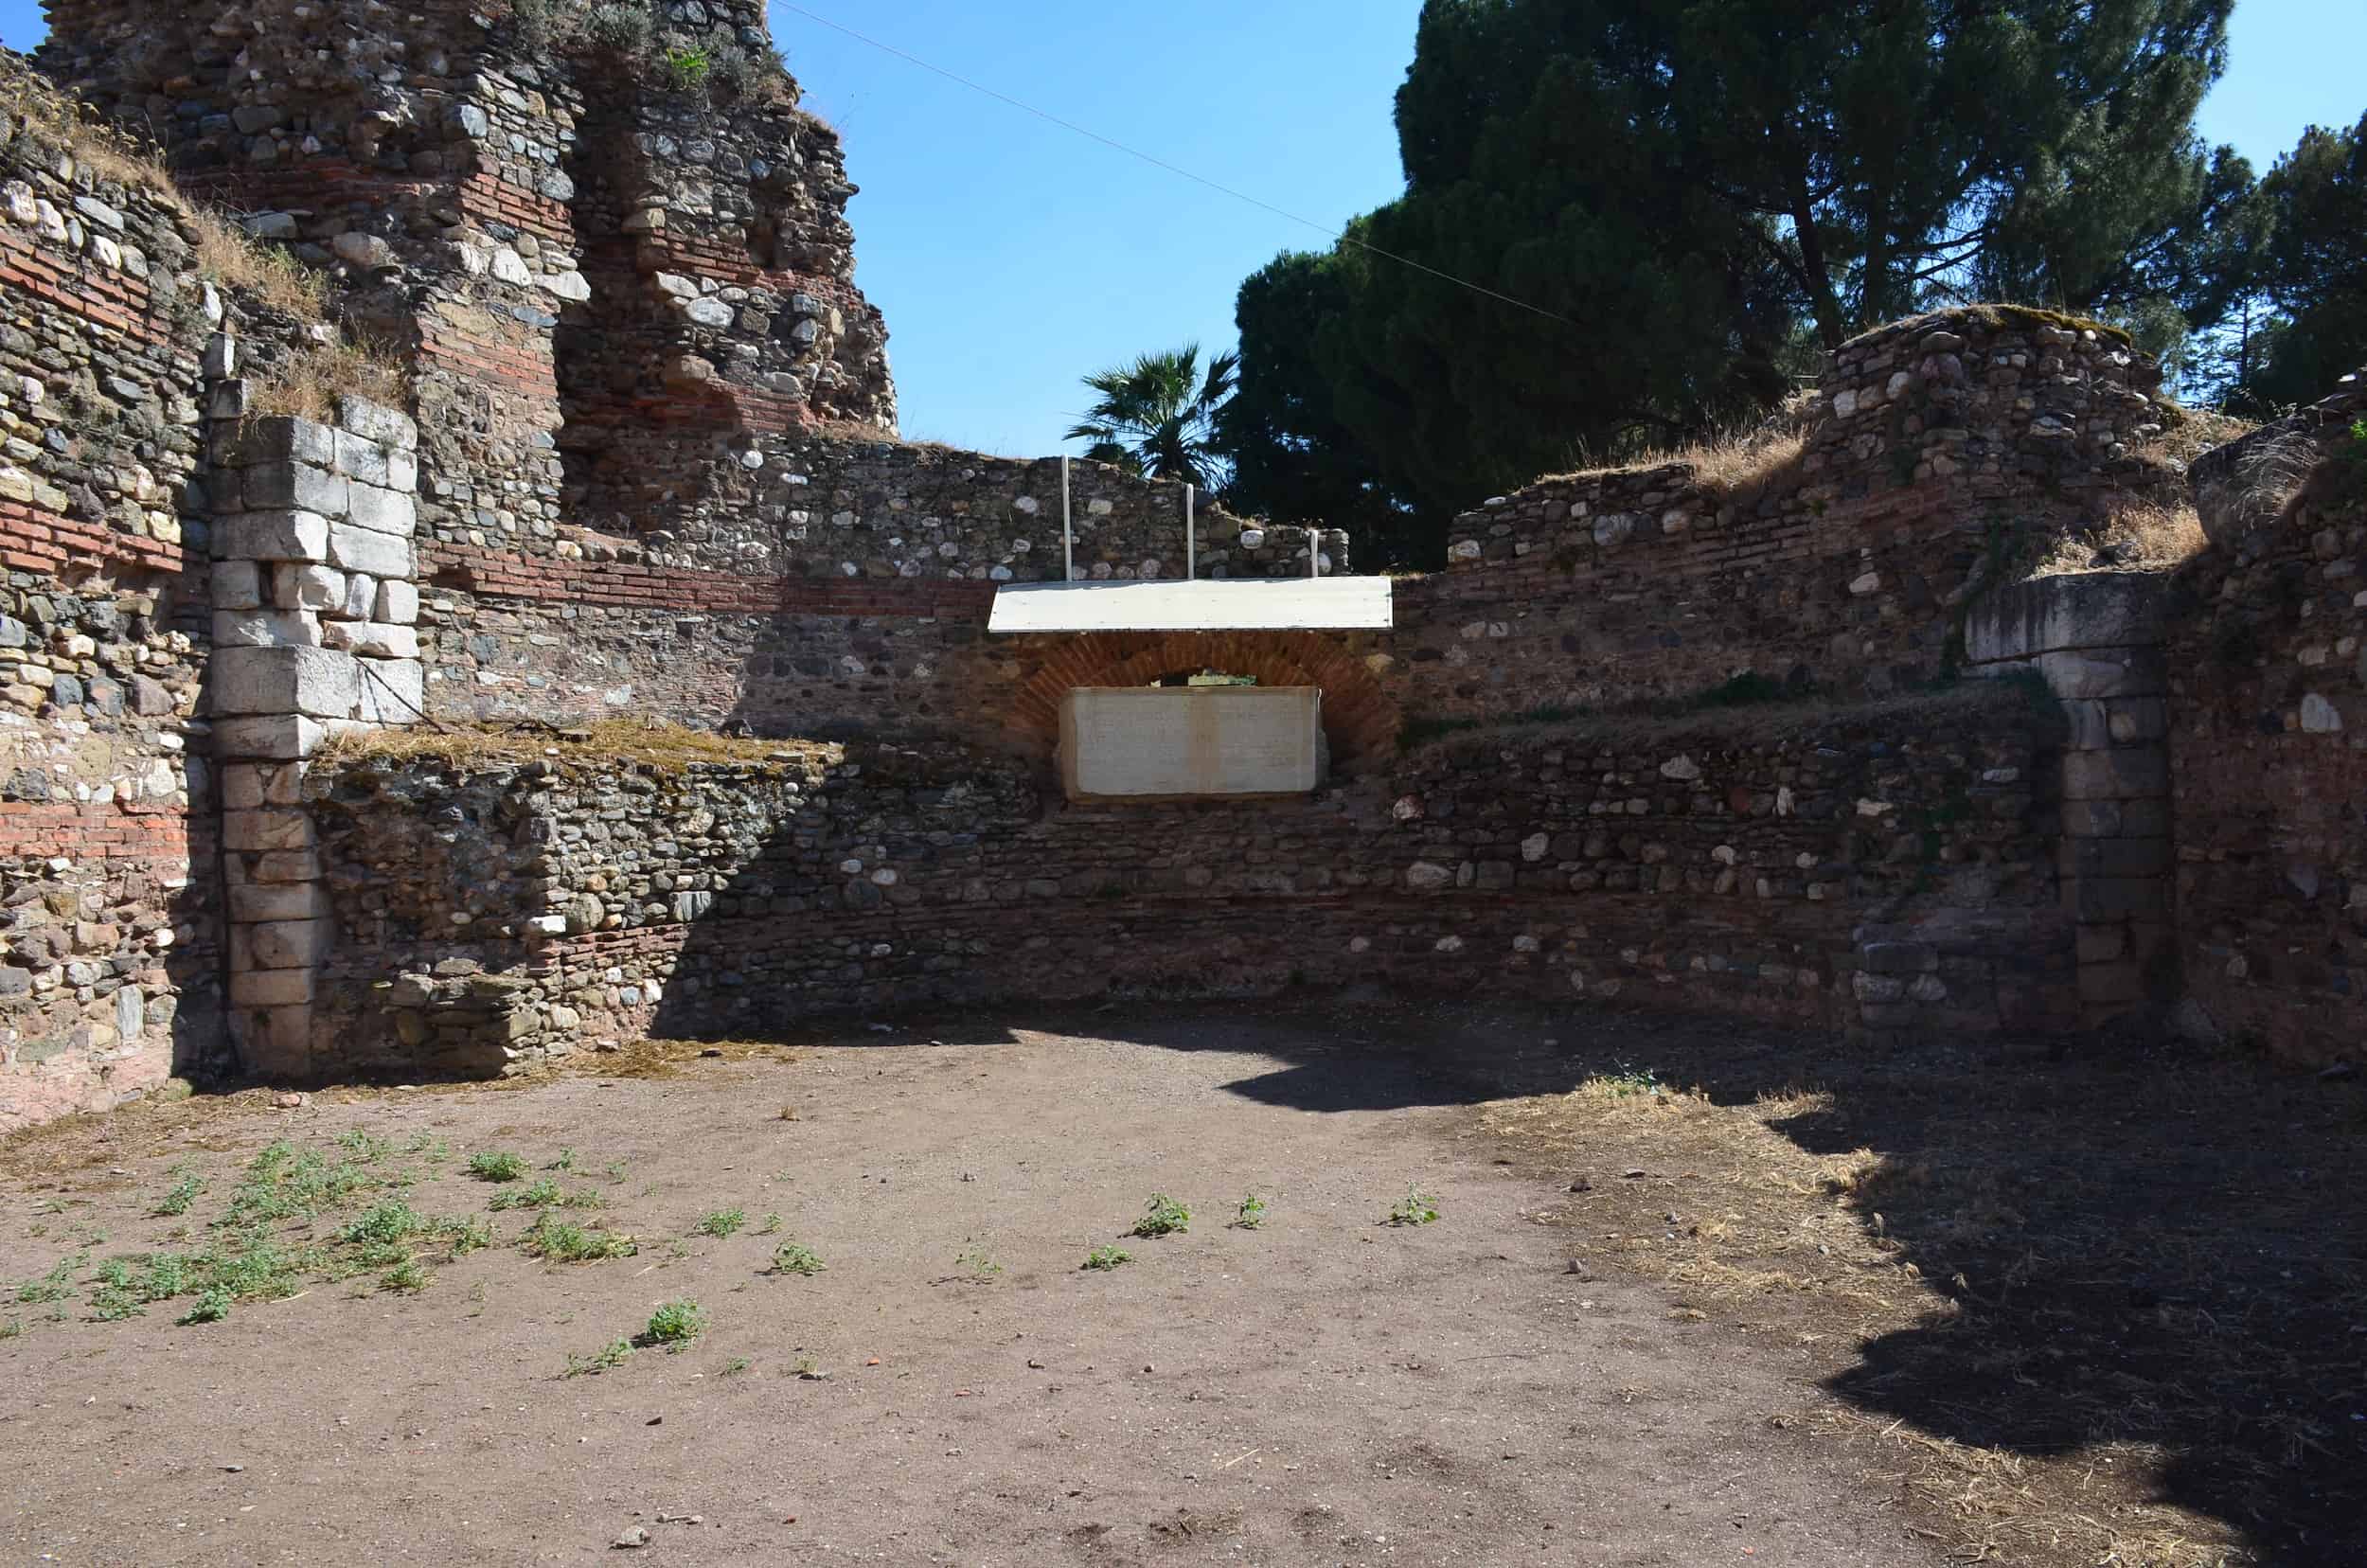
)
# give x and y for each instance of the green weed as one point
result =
(557, 1241)
(212, 1305)
(790, 1257)
(385, 1224)
(283, 1183)
(1250, 1213)
(463, 1237)
(1627, 1083)
(544, 1193)
(723, 1224)
(1164, 1216)
(675, 1325)
(686, 69)
(1414, 1208)
(1106, 1257)
(496, 1167)
(733, 1367)
(977, 1263)
(406, 1277)
(607, 1358)
(179, 1196)
(54, 1286)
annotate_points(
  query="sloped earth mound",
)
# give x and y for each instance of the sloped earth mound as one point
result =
(1692, 1294)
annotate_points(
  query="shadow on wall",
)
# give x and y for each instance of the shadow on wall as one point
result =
(2157, 1249)
(109, 930)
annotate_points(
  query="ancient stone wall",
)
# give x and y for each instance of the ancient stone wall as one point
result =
(1882, 869)
(2268, 726)
(109, 946)
(647, 465)
(613, 259)
(1937, 451)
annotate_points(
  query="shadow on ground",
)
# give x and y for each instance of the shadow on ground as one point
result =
(2144, 1247)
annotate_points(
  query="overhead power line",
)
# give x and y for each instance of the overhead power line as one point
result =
(1114, 145)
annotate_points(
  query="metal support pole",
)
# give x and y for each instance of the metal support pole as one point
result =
(1191, 562)
(1314, 552)
(1068, 539)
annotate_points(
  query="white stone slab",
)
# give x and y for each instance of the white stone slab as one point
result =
(1229, 604)
(1134, 742)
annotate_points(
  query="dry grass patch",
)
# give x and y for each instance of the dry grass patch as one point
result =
(229, 255)
(601, 740)
(2271, 475)
(308, 381)
(224, 252)
(1727, 462)
(2193, 431)
(2138, 536)
(104, 149)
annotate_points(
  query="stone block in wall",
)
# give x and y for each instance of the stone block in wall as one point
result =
(397, 603)
(283, 439)
(236, 585)
(393, 691)
(375, 421)
(247, 785)
(314, 682)
(266, 628)
(275, 866)
(381, 510)
(275, 1042)
(272, 535)
(2115, 985)
(283, 735)
(258, 901)
(286, 988)
(2104, 672)
(2123, 773)
(293, 485)
(282, 944)
(371, 463)
(2106, 898)
(2116, 818)
(358, 549)
(371, 638)
(267, 830)
(296, 586)
(2117, 856)
(2087, 610)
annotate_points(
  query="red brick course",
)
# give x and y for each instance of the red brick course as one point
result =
(32, 539)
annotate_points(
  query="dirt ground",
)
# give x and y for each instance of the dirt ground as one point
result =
(1695, 1293)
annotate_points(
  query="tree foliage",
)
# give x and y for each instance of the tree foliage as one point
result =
(2312, 272)
(1684, 196)
(1157, 417)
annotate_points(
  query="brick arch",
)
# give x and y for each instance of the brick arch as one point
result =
(1360, 720)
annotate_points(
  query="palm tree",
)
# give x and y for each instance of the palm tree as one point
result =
(1157, 417)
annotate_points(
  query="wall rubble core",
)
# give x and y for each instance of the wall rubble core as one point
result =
(109, 952)
(1887, 870)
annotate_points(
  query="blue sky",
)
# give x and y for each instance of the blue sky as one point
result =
(1012, 257)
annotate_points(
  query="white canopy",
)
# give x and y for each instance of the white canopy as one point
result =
(1208, 604)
